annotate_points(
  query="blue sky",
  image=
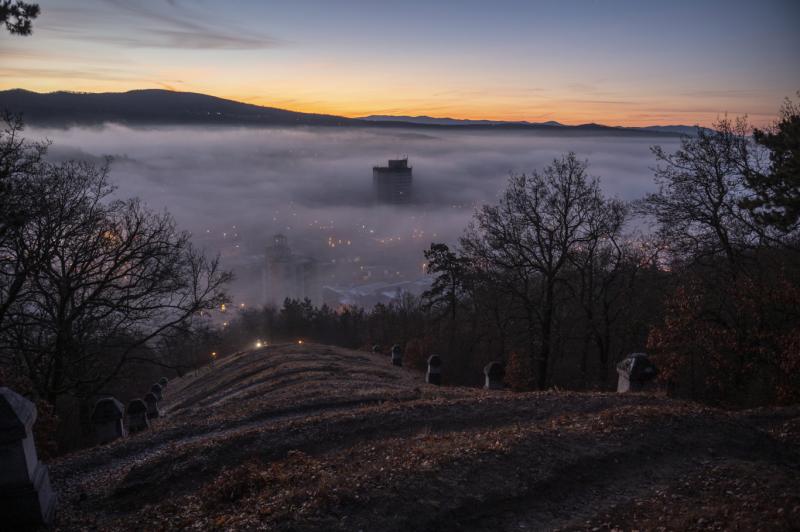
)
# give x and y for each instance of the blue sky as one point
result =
(613, 61)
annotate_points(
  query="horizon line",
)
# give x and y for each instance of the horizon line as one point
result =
(363, 116)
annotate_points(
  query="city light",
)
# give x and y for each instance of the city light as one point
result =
(258, 344)
(299, 341)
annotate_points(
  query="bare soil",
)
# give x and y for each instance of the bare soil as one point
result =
(313, 437)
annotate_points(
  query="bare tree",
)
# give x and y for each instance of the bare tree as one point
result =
(525, 242)
(116, 278)
(701, 189)
(733, 306)
(597, 267)
(21, 164)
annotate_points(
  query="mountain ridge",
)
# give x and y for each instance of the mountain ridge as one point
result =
(164, 107)
(424, 119)
(680, 129)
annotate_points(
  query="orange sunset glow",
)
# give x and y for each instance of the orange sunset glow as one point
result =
(517, 64)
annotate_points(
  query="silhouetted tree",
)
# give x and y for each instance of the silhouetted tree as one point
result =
(777, 201)
(731, 317)
(698, 206)
(17, 16)
(451, 272)
(525, 242)
(115, 278)
(21, 184)
(602, 280)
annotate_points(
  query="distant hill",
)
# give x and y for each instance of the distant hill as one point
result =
(681, 130)
(454, 121)
(151, 106)
(429, 120)
(162, 107)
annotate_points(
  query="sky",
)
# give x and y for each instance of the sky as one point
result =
(617, 62)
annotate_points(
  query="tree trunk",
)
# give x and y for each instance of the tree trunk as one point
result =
(547, 330)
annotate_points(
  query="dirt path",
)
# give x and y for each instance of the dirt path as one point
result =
(318, 438)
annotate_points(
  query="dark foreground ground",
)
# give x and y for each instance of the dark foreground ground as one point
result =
(319, 438)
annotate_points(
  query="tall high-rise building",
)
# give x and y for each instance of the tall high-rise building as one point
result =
(393, 182)
(288, 275)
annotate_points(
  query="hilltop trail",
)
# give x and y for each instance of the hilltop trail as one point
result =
(310, 437)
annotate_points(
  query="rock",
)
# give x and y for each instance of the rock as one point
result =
(434, 375)
(636, 373)
(156, 390)
(494, 372)
(137, 416)
(107, 420)
(397, 355)
(26, 497)
(152, 405)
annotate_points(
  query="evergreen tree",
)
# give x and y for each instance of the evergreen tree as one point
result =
(777, 202)
(17, 16)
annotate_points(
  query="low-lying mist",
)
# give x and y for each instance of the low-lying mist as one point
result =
(233, 188)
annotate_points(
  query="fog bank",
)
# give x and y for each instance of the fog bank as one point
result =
(233, 188)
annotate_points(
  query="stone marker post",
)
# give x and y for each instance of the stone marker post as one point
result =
(434, 375)
(494, 372)
(636, 373)
(397, 355)
(107, 420)
(137, 416)
(26, 498)
(152, 405)
(156, 390)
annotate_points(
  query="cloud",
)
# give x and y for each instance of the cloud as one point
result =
(602, 102)
(190, 40)
(178, 27)
(169, 86)
(724, 93)
(92, 74)
(583, 87)
(165, 24)
(107, 74)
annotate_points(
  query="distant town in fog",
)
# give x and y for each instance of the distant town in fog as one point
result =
(351, 238)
